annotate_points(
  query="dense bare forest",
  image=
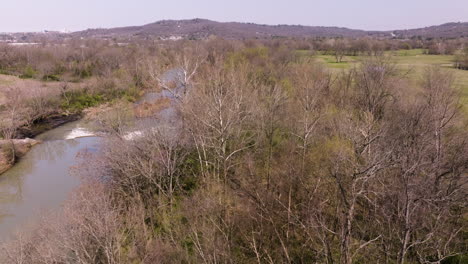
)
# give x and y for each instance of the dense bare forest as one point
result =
(270, 155)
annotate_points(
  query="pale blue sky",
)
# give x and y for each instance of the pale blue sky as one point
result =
(36, 15)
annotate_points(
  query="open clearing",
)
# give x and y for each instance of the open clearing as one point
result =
(27, 88)
(413, 62)
(30, 88)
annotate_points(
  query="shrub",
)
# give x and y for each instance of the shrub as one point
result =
(28, 73)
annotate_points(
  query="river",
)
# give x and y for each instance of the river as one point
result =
(42, 179)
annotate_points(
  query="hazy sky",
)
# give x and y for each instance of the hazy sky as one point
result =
(37, 15)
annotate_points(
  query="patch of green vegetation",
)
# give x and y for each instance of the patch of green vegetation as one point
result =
(346, 63)
(51, 77)
(456, 259)
(417, 62)
(412, 61)
(304, 52)
(82, 71)
(5, 72)
(248, 54)
(421, 60)
(76, 101)
(408, 52)
(190, 166)
(28, 73)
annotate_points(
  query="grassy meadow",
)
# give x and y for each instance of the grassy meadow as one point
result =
(411, 62)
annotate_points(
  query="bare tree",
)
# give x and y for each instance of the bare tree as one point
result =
(339, 49)
(177, 76)
(217, 112)
(429, 165)
(13, 115)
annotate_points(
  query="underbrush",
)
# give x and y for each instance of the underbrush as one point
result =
(78, 100)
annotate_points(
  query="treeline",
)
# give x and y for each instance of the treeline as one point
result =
(369, 46)
(340, 47)
(461, 59)
(271, 158)
(72, 61)
(77, 59)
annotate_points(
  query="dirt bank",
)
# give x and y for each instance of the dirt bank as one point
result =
(44, 124)
(12, 150)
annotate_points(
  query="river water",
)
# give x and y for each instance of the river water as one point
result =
(42, 179)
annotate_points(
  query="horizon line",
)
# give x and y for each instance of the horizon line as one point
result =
(65, 31)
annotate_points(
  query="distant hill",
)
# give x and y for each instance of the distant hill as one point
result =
(202, 28)
(448, 30)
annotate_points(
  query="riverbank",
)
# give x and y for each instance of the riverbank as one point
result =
(11, 151)
(47, 123)
(65, 107)
(43, 179)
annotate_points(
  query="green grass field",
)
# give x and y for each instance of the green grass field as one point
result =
(411, 61)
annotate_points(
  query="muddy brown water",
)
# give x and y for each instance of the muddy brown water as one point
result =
(42, 180)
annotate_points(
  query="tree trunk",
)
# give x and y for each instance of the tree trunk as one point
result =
(346, 236)
(404, 246)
